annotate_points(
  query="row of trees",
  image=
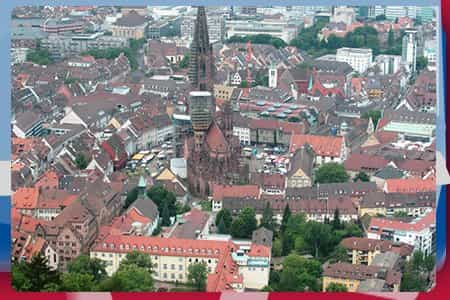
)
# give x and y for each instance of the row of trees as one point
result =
(258, 39)
(361, 37)
(89, 274)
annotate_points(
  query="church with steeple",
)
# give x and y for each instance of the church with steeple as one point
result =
(213, 153)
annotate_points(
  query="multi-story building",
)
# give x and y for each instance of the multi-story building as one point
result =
(361, 251)
(131, 26)
(430, 53)
(352, 276)
(230, 266)
(61, 46)
(388, 64)
(359, 59)
(409, 49)
(394, 12)
(420, 233)
(279, 28)
(18, 55)
(61, 25)
(326, 148)
(215, 23)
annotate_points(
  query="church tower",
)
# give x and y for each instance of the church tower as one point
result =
(201, 60)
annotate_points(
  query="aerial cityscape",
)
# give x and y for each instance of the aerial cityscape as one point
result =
(179, 148)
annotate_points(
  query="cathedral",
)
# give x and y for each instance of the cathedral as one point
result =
(213, 153)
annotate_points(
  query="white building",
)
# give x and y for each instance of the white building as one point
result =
(360, 59)
(243, 133)
(409, 49)
(275, 27)
(343, 14)
(388, 64)
(429, 52)
(215, 23)
(19, 55)
(420, 233)
(241, 267)
(393, 12)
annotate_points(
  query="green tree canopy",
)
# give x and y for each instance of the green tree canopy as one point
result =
(142, 260)
(421, 63)
(336, 287)
(331, 172)
(160, 195)
(258, 39)
(374, 114)
(197, 276)
(361, 176)
(300, 274)
(129, 278)
(224, 215)
(267, 217)
(34, 275)
(85, 265)
(131, 197)
(244, 225)
(77, 282)
(81, 161)
(39, 56)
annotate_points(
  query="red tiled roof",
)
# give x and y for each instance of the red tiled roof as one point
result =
(382, 223)
(357, 162)
(25, 198)
(322, 145)
(415, 165)
(237, 191)
(409, 185)
(287, 127)
(216, 140)
(366, 244)
(48, 179)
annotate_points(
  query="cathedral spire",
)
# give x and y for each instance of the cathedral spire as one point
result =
(201, 60)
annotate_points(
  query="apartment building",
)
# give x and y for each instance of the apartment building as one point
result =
(359, 59)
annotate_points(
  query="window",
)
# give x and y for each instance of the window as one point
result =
(172, 276)
(180, 267)
(165, 266)
(165, 275)
(172, 267)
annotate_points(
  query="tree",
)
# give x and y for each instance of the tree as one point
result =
(400, 214)
(416, 274)
(73, 282)
(339, 254)
(336, 224)
(224, 215)
(319, 238)
(139, 259)
(391, 38)
(80, 161)
(165, 215)
(129, 278)
(331, 172)
(258, 39)
(336, 287)
(294, 119)
(267, 217)
(131, 197)
(374, 114)
(197, 276)
(286, 217)
(334, 42)
(421, 63)
(221, 228)
(300, 274)
(160, 195)
(85, 265)
(39, 56)
(244, 225)
(35, 275)
(361, 176)
(276, 248)
(184, 63)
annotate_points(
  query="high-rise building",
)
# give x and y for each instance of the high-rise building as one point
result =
(201, 60)
(409, 49)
